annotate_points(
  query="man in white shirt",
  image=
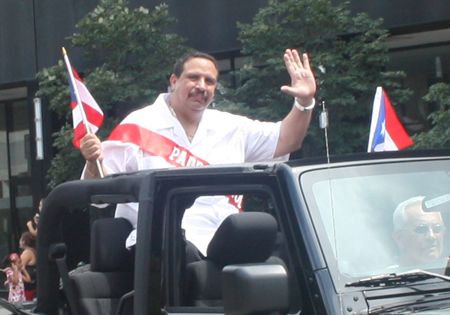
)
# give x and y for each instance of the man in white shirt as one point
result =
(179, 130)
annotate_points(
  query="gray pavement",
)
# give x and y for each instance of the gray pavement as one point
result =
(4, 311)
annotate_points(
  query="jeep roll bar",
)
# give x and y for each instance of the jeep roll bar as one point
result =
(118, 189)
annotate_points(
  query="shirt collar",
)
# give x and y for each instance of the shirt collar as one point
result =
(168, 120)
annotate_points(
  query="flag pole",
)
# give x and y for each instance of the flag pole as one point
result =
(80, 103)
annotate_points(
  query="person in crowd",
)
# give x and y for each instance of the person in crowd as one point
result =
(180, 130)
(28, 258)
(32, 225)
(418, 234)
(15, 277)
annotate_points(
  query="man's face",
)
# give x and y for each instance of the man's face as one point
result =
(422, 239)
(196, 85)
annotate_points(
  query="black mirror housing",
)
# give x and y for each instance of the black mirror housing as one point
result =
(255, 289)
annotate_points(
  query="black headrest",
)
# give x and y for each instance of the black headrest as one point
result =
(246, 237)
(108, 251)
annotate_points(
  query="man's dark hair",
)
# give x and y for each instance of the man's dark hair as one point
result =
(179, 64)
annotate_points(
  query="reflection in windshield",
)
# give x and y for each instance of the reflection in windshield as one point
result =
(353, 209)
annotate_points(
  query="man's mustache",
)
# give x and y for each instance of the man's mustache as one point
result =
(198, 92)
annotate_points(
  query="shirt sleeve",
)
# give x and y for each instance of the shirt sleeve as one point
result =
(262, 141)
(118, 157)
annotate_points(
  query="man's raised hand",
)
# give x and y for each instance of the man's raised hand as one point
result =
(303, 83)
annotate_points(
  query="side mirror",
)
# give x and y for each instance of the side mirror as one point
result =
(255, 289)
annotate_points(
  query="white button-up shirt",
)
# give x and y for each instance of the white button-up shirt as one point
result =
(221, 138)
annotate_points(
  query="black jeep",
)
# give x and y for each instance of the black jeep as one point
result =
(315, 237)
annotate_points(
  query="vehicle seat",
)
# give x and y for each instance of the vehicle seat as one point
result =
(99, 290)
(241, 238)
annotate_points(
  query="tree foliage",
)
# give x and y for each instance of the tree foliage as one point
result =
(439, 135)
(350, 50)
(134, 55)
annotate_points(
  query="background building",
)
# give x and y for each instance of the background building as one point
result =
(33, 32)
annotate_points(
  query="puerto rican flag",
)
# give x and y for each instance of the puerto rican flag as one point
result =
(386, 131)
(92, 112)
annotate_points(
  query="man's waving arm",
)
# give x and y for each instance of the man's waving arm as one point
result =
(302, 88)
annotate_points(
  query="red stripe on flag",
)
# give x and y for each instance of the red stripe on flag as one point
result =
(394, 126)
(94, 114)
(78, 133)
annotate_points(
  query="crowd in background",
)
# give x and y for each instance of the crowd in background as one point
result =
(20, 269)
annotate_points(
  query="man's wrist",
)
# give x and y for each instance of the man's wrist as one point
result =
(304, 108)
(91, 170)
(90, 173)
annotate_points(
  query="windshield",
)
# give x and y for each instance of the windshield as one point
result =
(360, 231)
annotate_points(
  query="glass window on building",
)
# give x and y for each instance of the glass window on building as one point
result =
(5, 210)
(425, 61)
(16, 202)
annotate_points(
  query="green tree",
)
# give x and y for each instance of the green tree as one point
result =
(134, 54)
(439, 134)
(350, 51)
